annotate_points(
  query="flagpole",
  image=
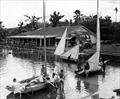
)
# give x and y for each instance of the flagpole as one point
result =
(44, 35)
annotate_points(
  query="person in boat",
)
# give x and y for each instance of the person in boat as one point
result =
(69, 57)
(17, 88)
(43, 70)
(86, 68)
(102, 64)
(79, 65)
(54, 79)
(37, 80)
(61, 79)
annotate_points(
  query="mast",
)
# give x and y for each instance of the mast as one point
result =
(44, 35)
(98, 28)
(94, 60)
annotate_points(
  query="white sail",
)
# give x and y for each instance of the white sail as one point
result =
(94, 60)
(74, 52)
(61, 46)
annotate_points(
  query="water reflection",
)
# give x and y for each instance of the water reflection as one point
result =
(23, 65)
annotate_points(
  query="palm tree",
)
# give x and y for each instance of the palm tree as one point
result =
(116, 10)
(54, 19)
(77, 16)
(33, 20)
(20, 27)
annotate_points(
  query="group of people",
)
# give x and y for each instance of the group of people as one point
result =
(58, 79)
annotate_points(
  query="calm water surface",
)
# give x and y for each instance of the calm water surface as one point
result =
(22, 65)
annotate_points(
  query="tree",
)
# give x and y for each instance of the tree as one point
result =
(54, 19)
(20, 29)
(77, 16)
(108, 19)
(3, 32)
(33, 22)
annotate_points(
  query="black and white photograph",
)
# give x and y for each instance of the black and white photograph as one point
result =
(59, 49)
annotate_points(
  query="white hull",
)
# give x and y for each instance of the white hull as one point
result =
(31, 87)
(35, 87)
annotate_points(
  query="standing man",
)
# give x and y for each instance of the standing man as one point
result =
(61, 77)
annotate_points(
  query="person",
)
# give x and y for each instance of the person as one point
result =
(79, 65)
(17, 88)
(36, 80)
(102, 64)
(86, 68)
(61, 79)
(54, 79)
(69, 57)
(43, 70)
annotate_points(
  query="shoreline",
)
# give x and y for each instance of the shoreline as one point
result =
(106, 49)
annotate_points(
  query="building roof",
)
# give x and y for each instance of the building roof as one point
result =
(54, 32)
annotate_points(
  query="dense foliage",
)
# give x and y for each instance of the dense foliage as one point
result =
(3, 33)
(54, 19)
(109, 30)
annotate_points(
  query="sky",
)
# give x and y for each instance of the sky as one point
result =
(13, 11)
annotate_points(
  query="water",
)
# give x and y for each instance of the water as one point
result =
(22, 65)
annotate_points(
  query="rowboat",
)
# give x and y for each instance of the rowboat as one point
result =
(30, 85)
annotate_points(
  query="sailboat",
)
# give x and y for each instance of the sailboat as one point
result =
(70, 55)
(93, 62)
(34, 84)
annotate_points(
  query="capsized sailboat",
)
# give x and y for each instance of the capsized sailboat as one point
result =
(93, 62)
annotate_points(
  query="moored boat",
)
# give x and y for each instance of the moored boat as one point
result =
(93, 64)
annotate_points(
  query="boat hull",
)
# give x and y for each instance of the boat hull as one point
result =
(90, 73)
(35, 87)
(30, 87)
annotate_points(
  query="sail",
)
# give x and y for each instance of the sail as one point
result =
(61, 46)
(74, 52)
(94, 60)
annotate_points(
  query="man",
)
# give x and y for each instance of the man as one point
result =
(61, 77)
(69, 57)
(43, 71)
(17, 88)
(86, 68)
(54, 79)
